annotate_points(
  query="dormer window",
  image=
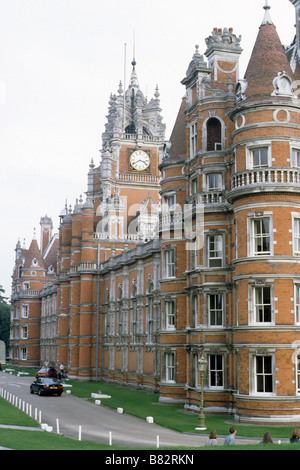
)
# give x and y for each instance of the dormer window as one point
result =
(240, 90)
(35, 262)
(282, 85)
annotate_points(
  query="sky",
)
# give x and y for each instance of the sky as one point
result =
(60, 60)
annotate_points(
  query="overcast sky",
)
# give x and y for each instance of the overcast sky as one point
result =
(59, 62)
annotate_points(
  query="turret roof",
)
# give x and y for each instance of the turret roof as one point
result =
(268, 58)
(32, 253)
(178, 136)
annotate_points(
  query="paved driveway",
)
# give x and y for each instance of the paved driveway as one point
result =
(98, 423)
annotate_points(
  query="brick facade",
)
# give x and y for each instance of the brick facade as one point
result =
(196, 253)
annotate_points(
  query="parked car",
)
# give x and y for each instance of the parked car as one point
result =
(46, 386)
(48, 371)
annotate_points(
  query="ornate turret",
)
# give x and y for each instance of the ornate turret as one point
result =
(130, 113)
(268, 74)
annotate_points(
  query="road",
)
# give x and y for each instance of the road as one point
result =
(98, 423)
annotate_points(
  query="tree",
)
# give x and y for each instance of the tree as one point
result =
(4, 319)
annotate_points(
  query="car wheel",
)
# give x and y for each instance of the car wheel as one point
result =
(31, 390)
(40, 393)
(59, 394)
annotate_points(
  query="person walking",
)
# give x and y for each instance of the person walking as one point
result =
(230, 439)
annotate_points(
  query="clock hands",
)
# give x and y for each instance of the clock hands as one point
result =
(139, 160)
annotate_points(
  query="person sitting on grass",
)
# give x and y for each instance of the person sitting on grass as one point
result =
(212, 438)
(295, 435)
(267, 439)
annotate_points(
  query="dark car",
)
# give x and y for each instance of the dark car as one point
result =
(47, 372)
(46, 386)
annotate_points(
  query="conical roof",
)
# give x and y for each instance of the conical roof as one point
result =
(268, 58)
(178, 136)
(33, 252)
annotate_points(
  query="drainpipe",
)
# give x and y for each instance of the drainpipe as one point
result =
(97, 312)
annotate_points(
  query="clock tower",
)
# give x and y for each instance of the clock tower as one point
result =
(132, 149)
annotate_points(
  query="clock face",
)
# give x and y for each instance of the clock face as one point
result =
(139, 160)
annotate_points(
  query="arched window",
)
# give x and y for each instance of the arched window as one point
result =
(130, 129)
(214, 135)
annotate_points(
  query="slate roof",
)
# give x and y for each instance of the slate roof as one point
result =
(268, 58)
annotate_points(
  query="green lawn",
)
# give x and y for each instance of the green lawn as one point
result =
(139, 404)
(10, 415)
(142, 404)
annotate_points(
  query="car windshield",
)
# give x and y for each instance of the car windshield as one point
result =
(49, 381)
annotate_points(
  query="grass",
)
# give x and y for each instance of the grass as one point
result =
(10, 415)
(136, 403)
(142, 404)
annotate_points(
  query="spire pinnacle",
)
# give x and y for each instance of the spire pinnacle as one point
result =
(267, 17)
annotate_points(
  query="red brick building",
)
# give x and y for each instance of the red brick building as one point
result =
(184, 247)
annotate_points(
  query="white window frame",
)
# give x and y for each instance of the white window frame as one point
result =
(169, 206)
(256, 146)
(25, 311)
(215, 371)
(255, 304)
(263, 374)
(169, 262)
(261, 154)
(219, 250)
(24, 353)
(217, 177)
(252, 237)
(294, 159)
(170, 363)
(193, 139)
(170, 313)
(169, 202)
(297, 303)
(216, 312)
(296, 233)
(24, 332)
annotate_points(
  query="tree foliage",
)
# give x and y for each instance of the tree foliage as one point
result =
(4, 319)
